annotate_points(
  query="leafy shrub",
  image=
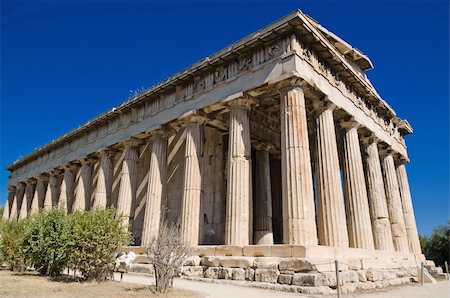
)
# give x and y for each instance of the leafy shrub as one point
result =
(11, 239)
(46, 242)
(436, 247)
(95, 237)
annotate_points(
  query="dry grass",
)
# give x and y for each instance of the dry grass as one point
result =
(31, 284)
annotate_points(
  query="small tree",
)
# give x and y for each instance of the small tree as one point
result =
(167, 252)
(437, 246)
(95, 237)
(46, 242)
(11, 243)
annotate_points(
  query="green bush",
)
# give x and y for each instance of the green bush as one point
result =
(95, 237)
(11, 243)
(436, 247)
(46, 242)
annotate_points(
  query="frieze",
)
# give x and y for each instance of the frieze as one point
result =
(361, 102)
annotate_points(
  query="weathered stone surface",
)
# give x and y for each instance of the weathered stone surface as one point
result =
(210, 261)
(348, 276)
(192, 271)
(225, 273)
(192, 261)
(238, 274)
(295, 265)
(307, 279)
(285, 279)
(361, 275)
(257, 251)
(237, 262)
(267, 263)
(142, 259)
(212, 272)
(266, 275)
(228, 250)
(249, 274)
(373, 275)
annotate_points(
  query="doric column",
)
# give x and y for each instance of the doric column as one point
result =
(263, 197)
(128, 182)
(26, 202)
(299, 223)
(381, 226)
(66, 195)
(39, 194)
(53, 189)
(192, 183)
(332, 222)
(17, 201)
(394, 204)
(103, 190)
(408, 211)
(155, 190)
(83, 189)
(9, 201)
(356, 201)
(238, 222)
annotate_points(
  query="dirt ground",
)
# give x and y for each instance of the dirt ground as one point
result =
(32, 285)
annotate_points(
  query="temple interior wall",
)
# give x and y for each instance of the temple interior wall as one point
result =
(212, 216)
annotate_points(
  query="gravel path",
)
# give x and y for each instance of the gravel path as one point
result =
(218, 290)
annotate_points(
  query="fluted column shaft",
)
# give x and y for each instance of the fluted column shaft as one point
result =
(192, 185)
(156, 185)
(408, 210)
(53, 191)
(104, 182)
(379, 214)
(83, 188)
(39, 194)
(17, 201)
(26, 202)
(8, 203)
(394, 204)
(128, 184)
(238, 223)
(67, 188)
(299, 223)
(332, 221)
(263, 196)
(357, 204)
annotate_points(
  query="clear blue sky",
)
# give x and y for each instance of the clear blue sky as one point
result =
(64, 62)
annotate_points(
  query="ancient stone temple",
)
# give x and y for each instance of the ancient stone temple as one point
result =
(276, 155)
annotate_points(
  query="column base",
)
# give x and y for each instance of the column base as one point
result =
(263, 237)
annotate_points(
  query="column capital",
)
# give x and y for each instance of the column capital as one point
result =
(385, 151)
(11, 188)
(369, 139)
(70, 166)
(110, 152)
(350, 123)
(264, 147)
(87, 160)
(20, 185)
(400, 160)
(194, 117)
(162, 132)
(293, 83)
(57, 171)
(31, 181)
(43, 177)
(132, 142)
(242, 102)
(324, 104)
